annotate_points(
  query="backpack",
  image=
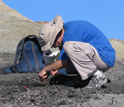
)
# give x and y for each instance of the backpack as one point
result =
(28, 56)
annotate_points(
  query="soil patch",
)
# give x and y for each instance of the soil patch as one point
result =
(12, 93)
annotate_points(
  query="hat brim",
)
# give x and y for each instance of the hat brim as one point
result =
(58, 23)
(46, 47)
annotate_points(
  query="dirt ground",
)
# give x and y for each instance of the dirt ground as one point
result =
(12, 93)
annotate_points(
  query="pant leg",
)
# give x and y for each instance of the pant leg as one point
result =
(70, 69)
(84, 58)
(101, 65)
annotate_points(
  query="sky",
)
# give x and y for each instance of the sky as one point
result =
(107, 15)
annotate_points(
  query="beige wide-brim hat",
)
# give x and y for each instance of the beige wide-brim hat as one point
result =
(49, 32)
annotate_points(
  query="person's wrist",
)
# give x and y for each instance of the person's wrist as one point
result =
(45, 69)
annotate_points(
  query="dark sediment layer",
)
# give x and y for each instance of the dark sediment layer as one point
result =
(12, 93)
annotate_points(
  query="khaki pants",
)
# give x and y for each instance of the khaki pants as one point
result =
(84, 58)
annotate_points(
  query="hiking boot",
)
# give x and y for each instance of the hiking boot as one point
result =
(97, 81)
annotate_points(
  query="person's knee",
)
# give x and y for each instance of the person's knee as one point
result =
(70, 46)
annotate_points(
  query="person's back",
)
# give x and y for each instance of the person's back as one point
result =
(83, 31)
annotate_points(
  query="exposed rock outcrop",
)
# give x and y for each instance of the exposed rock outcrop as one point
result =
(118, 45)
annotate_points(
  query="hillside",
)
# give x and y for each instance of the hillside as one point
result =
(13, 27)
(118, 45)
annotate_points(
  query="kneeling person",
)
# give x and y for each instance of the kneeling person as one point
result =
(82, 44)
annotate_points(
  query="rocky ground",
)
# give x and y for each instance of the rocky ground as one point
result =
(12, 93)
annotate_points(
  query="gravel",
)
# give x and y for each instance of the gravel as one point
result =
(12, 93)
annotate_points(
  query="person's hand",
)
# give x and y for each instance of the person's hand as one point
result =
(42, 75)
(54, 72)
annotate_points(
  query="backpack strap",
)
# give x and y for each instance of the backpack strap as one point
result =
(19, 50)
(38, 39)
(20, 47)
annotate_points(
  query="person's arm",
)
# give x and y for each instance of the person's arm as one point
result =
(59, 64)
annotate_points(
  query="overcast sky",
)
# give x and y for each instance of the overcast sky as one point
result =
(107, 15)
